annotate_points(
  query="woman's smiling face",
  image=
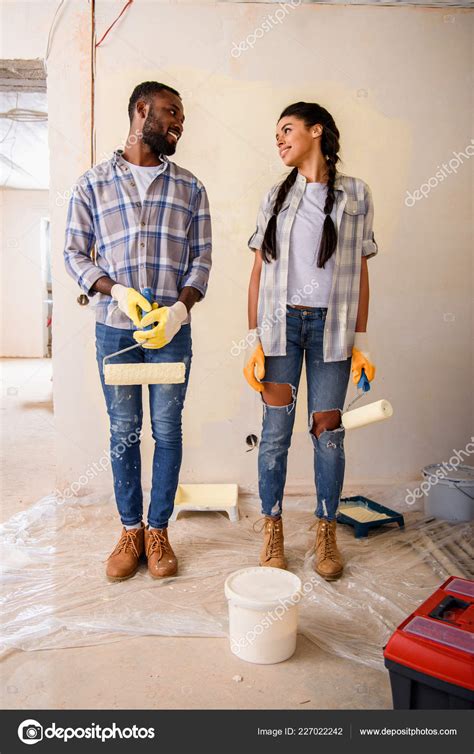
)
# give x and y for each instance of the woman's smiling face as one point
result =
(294, 140)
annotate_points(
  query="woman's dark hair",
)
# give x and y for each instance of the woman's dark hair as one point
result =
(310, 113)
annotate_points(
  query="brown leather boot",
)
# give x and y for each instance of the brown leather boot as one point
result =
(162, 561)
(125, 559)
(328, 561)
(272, 553)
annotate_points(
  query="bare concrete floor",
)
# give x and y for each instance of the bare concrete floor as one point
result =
(185, 673)
(149, 672)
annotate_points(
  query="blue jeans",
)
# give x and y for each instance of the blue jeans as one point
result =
(327, 387)
(124, 407)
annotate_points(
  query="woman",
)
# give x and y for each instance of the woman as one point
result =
(308, 297)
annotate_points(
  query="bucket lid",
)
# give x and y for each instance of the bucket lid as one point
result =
(463, 475)
(261, 588)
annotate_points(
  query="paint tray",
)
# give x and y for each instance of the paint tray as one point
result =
(207, 497)
(364, 514)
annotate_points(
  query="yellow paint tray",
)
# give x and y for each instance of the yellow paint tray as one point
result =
(207, 497)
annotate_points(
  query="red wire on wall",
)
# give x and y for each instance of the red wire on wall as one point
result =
(112, 25)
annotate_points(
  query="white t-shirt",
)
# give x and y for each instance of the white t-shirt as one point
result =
(305, 239)
(143, 176)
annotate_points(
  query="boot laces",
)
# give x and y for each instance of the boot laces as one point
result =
(257, 528)
(127, 542)
(328, 540)
(157, 543)
(275, 542)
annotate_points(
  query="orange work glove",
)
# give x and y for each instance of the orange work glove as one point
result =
(361, 358)
(256, 361)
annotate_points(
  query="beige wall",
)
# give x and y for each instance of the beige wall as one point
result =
(396, 80)
(23, 282)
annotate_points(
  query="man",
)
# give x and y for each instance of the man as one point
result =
(149, 221)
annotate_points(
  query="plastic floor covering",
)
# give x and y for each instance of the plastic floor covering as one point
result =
(54, 592)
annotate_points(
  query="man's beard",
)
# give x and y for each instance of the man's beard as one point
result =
(154, 136)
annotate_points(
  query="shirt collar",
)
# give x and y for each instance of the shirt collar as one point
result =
(119, 161)
(337, 181)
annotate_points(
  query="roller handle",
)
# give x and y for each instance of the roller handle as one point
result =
(148, 294)
(363, 383)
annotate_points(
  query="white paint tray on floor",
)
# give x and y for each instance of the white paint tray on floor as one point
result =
(207, 497)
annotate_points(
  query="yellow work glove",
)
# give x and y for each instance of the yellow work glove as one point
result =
(166, 321)
(361, 358)
(255, 362)
(130, 302)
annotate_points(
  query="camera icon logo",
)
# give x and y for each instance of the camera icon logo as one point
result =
(30, 731)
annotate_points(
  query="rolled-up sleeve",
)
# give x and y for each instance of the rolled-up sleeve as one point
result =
(369, 244)
(200, 245)
(256, 239)
(80, 239)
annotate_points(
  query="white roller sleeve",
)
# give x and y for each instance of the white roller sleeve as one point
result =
(145, 373)
(373, 412)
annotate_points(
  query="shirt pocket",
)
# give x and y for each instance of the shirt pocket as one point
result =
(352, 225)
(355, 207)
(173, 221)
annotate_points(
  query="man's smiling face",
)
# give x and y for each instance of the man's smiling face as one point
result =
(164, 123)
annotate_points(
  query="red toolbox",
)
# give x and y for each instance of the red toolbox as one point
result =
(430, 656)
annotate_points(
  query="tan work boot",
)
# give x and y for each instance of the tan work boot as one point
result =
(125, 559)
(162, 561)
(328, 561)
(272, 553)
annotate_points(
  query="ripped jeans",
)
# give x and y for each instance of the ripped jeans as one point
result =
(327, 387)
(124, 407)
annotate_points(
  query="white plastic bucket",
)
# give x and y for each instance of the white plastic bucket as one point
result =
(263, 613)
(451, 494)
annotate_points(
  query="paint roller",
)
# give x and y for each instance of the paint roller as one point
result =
(142, 373)
(373, 412)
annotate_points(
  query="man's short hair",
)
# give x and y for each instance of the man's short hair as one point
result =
(146, 90)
